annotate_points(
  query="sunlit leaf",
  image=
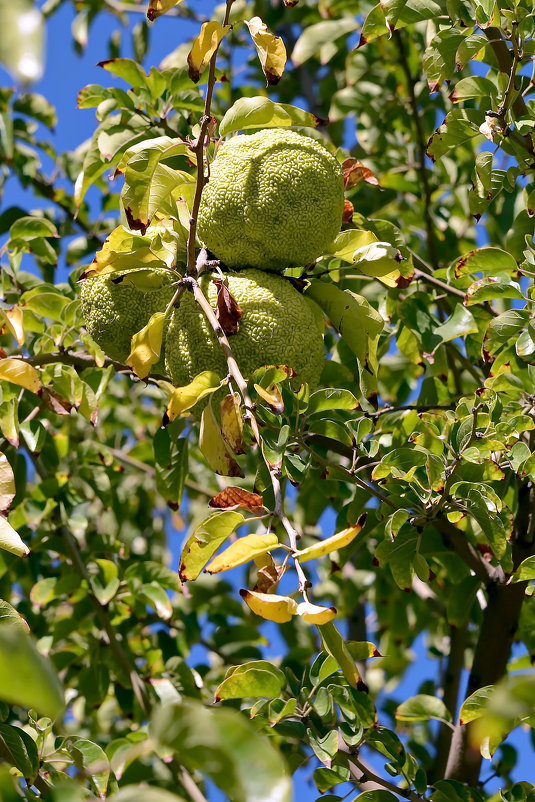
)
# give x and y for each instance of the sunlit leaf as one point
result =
(26, 677)
(205, 540)
(221, 743)
(270, 606)
(260, 112)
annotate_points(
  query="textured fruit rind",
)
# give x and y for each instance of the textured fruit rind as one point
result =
(113, 313)
(279, 326)
(274, 200)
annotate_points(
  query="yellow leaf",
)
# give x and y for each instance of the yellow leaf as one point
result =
(270, 49)
(232, 422)
(272, 396)
(183, 398)
(18, 372)
(11, 541)
(270, 606)
(158, 7)
(146, 346)
(241, 551)
(7, 483)
(333, 543)
(204, 47)
(213, 447)
(315, 614)
(14, 321)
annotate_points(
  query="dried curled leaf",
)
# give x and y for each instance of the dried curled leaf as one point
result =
(232, 422)
(228, 313)
(355, 172)
(158, 7)
(215, 450)
(270, 48)
(272, 396)
(7, 484)
(204, 47)
(235, 498)
(14, 321)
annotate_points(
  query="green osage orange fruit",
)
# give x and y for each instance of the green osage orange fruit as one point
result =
(114, 311)
(279, 326)
(274, 200)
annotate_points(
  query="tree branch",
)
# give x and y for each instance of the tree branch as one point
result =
(451, 684)
(421, 143)
(505, 60)
(455, 539)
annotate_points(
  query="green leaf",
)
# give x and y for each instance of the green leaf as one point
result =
(251, 681)
(38, 107)
(491, 289)
(147, 184)
(334, 644)
(459, 127)
(473, 86)
(485, 260)
(260, 112)
(329, 399)
(439, 58)
(503, 328)
(378, 795)
(90, 759)
(421, 708)
(29, 228)
(105, 583)
(525, 571)
(205, 540)
(171, 463)
(22, 34)
(475, 705)
(352, 316)
(314, 37)
(10, 617)
(26, 677)
(19, 749)
(221, 743)
(460, 600)
(133, 793)
(127, 69)
(10, 540)
(326, 778)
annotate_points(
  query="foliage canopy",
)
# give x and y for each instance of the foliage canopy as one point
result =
(395, 504)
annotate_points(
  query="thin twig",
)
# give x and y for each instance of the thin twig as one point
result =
(200, 149)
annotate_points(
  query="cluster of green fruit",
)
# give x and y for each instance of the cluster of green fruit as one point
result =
(274, 200)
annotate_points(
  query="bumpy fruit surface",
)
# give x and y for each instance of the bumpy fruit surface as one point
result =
(279, 326)
(274, 200)
(113, 313)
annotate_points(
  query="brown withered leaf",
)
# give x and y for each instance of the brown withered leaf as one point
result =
(268, 574)
(232, 422)
(228, 312)
(355, 172)
(55, 402)
(236, 498)
(349, 210)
